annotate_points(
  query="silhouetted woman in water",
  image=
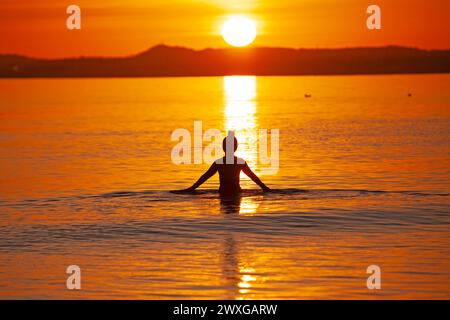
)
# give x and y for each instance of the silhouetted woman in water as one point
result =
(229, 168)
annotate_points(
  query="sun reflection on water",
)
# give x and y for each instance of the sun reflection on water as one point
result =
(249, 205)
(238, 271)
(245, 282)
(240, 114)
(240, 117)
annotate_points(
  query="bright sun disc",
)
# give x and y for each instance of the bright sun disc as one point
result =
(239, 31)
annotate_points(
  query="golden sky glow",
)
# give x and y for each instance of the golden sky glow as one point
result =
(123, 27)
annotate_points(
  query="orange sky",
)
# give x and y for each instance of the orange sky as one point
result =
(123, 27)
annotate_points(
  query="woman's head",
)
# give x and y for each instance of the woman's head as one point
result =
(229, 142)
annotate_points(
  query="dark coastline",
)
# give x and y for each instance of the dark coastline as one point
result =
(165, 61)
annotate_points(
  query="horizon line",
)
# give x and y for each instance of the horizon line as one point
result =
(162, 44)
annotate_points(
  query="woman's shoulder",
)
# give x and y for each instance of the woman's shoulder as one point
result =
(236, 160)
(240, 161)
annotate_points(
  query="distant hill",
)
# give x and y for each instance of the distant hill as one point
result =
(179, 61)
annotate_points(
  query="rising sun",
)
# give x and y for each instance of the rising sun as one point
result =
(239, 31)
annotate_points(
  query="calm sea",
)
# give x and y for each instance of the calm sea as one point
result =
(363, 179)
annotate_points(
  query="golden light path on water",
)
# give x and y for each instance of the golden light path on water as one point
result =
(239, 270)
(240, 116)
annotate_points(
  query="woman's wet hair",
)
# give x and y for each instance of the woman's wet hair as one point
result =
(228, 138)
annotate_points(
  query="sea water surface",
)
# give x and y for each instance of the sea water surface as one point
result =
(363, 179)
